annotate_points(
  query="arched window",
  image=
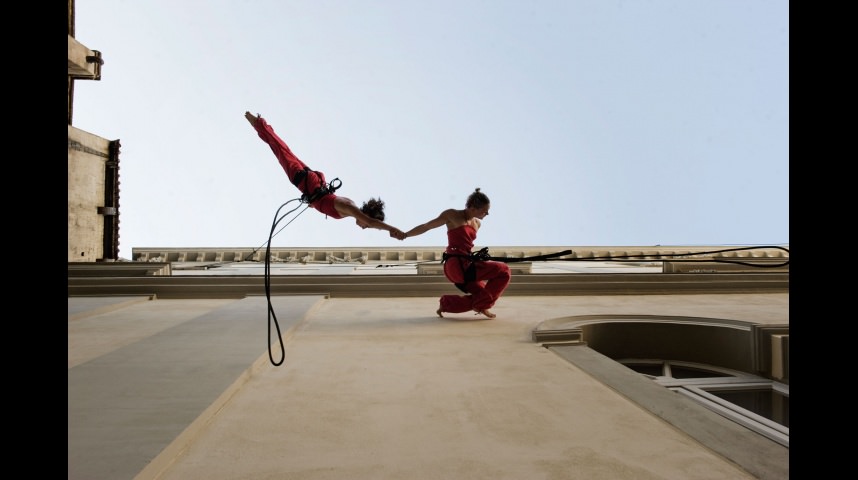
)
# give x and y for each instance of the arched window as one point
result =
(720, 377)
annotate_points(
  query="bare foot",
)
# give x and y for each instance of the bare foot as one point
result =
(439, 312)
(486, 313)
(250, 118)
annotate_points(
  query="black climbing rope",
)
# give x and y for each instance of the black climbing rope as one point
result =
(272, 316)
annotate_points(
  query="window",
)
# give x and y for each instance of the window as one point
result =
(757, 403)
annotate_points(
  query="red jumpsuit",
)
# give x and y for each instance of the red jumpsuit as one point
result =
(491, 277)
(293, 166)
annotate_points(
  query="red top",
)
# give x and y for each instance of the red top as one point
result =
(326, 205)
(461, 239)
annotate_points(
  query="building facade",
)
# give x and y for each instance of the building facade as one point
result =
(605, 362)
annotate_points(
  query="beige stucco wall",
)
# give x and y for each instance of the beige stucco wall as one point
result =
(381, 388)
(386, 390)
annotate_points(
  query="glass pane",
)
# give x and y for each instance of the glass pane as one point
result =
(652, 369)
(689, 372)
(765, 403)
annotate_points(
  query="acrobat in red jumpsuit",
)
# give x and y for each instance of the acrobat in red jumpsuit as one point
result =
(306, 179)
(485, 282)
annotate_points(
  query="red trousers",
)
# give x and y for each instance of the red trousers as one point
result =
(295, 169)
(492, 278)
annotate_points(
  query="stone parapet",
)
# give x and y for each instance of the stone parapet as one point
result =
(674, 259)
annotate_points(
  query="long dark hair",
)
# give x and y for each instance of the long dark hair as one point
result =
(374, 207)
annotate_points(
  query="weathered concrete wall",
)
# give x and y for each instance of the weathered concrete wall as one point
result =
(88, 154)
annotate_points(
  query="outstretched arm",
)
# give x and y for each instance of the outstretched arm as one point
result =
(347, 208)
(394, 232)
(434, 223)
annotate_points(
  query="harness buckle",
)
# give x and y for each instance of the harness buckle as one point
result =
(320, 192)
(483, 254)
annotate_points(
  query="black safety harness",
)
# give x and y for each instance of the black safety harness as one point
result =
(320, 191)
(470, 272)
(483, 256)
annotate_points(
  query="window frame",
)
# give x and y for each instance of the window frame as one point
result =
(699, 389)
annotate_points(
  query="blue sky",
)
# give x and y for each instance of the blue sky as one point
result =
(586, 122)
